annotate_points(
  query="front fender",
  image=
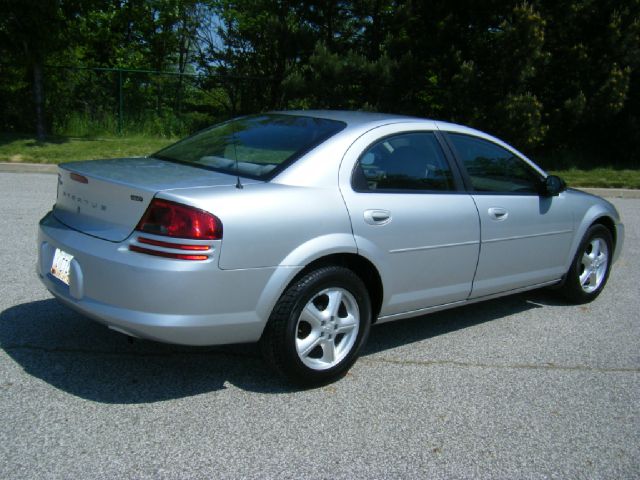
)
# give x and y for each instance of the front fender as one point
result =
(593, 214)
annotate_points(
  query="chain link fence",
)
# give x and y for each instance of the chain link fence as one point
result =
(94, 101)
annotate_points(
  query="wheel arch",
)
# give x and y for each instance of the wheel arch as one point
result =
(580, 290)
(285, 276)
(597, 214)
(600, 218)
(359, 265)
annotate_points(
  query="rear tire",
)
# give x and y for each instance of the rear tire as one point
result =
(590, 268)
(318, 326)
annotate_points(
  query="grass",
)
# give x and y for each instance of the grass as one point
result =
(23, 148)
(600, 177)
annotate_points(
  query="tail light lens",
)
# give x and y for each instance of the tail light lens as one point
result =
(182, 221)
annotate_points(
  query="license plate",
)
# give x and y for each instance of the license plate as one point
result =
(61, 265)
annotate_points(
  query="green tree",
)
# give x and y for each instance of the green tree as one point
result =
(30, 32)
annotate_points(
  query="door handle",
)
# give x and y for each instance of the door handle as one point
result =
(498, 213)
(377, 217)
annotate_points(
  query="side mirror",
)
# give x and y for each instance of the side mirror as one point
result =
(553, 185)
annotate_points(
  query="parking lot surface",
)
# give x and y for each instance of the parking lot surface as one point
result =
(520, 387)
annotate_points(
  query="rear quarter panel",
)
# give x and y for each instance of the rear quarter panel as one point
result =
(269, 224)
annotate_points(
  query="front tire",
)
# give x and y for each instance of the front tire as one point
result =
(318, 326)
(590, 269)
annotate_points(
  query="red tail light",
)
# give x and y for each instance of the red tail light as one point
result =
(182, 221)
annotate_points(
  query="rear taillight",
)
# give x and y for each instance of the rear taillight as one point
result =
(178, 222)
(182, 221)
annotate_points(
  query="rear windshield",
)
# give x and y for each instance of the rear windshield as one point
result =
(258, 146)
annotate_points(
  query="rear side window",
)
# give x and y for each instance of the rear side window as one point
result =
(406, 162)
(257, 146)
(492, 168)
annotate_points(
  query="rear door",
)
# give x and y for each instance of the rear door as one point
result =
(411, 217)
(525, 237)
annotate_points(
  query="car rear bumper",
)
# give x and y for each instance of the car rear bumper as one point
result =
(168, 300)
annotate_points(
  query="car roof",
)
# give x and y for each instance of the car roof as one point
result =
(357, 119)
(354, 118)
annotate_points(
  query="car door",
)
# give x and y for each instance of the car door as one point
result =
(411, 217)
(525, 236)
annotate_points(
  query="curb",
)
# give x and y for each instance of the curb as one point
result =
(51, 168)
(28, 167)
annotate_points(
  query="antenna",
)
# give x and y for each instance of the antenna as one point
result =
(235, 156)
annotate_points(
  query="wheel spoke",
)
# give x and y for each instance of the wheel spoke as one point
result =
(335, 299)
(595, 248)
(603, 266)
(585, 276)
(328, 351)
(346, 324)
(312, 315)
(306, 345)
(587, 260)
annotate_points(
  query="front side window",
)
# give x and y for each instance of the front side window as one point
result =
(256, 146)
(410, 161)
(492, 168)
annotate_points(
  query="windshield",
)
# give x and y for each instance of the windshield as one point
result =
(257, 146)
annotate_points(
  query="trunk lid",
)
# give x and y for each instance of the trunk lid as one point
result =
(107, 198)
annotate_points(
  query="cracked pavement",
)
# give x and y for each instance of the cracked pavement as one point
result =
(519, 387)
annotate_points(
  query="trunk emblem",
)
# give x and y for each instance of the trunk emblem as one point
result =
(136, 198)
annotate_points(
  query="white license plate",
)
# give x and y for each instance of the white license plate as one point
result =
(61, 265)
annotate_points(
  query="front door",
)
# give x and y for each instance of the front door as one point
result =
(525, 237)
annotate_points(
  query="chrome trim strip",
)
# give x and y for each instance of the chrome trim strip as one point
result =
(431, 247)
(533, 235)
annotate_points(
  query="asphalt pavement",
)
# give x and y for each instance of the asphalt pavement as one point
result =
(520, 387)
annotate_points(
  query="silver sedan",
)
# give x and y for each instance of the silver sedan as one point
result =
(302, 229)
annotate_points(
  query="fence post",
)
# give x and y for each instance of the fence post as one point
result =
(120, 102)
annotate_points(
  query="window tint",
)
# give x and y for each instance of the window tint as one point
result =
(412, 161)
(255, 146)
(493, 168)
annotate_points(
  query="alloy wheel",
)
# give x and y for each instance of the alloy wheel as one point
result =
(327, 328)
(593, 264)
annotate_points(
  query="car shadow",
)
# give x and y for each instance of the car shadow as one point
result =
(86, 359)
(81, 357)
(394, 334)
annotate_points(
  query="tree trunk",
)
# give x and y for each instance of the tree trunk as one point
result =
(38, 99)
